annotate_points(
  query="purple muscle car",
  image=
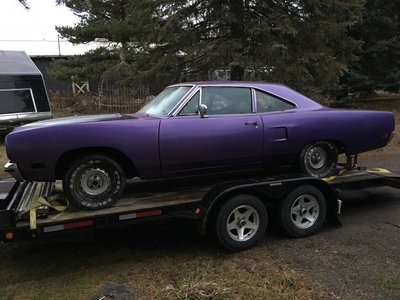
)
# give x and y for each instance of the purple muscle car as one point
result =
(192, 128)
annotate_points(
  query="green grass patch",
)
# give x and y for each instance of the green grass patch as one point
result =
(392, 284)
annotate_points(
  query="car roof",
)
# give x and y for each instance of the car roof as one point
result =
(277, 89)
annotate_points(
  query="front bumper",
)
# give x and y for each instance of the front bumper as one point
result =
(13, 170)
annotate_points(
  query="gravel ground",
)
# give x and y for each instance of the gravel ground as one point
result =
(358, 261)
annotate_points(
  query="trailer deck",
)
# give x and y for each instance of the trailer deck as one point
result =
(185, 197)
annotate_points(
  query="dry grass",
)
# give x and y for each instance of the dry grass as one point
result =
(179, 271)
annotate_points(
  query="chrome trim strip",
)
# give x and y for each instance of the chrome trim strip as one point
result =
(21, 89)
(254, 100)
(171, 112)
(279, 97)
(174, 112)
(248, 86)
(181, 104)
(33, 100)
(16, 118)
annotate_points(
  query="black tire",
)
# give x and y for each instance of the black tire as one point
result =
(319, 159)
(258, 218)
(300, 220)
(94, 182)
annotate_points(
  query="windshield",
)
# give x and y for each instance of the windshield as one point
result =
(165, 101)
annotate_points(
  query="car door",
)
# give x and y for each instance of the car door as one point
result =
(279, 121)
(229, 136)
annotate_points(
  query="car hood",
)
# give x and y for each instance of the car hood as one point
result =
(74, 120)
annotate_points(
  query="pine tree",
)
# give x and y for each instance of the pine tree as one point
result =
(378, 67)
(303, 43)
(24, 3)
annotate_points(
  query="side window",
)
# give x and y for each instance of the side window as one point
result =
(268, 103)
(16, 101)
(191, 108)
(226, 100)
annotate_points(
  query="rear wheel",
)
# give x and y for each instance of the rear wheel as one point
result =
(94, 182)
(319, 159)
(241, 222)
(303, 211)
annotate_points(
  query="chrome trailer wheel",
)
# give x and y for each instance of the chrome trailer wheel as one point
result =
(241, 222)
(303, 211)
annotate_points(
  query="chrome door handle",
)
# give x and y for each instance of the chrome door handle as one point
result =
(252, 123)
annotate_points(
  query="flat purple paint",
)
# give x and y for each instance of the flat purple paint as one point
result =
(164, 146)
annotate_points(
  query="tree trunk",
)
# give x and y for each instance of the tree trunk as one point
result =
(237, 35)
(237, 73)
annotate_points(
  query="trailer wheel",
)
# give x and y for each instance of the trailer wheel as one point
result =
(241, 222)
(303, 211)
(319, 159)
(94, 182)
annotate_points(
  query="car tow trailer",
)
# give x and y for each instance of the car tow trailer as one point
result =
(237, 210)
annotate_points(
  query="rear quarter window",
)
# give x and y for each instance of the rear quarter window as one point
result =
(269, 103)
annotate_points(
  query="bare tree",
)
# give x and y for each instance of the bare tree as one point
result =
(25, 3)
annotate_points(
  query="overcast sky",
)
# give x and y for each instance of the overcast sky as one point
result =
(33, 30)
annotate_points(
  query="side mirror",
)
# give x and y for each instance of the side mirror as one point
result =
(202, 110)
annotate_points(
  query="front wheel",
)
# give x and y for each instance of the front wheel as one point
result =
(319, 159)
(94, 182)
(241, 222)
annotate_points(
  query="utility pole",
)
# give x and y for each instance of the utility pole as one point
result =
(59, 47)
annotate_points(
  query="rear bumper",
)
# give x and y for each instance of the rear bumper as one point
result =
(13, 170)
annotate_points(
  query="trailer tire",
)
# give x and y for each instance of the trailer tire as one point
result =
(241, 222)
(94, 182)
(303, 211)
(319, 159)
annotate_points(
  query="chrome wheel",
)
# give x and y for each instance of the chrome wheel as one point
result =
(304, 211)
(243, 223)
(317, 157)
(95, 181)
